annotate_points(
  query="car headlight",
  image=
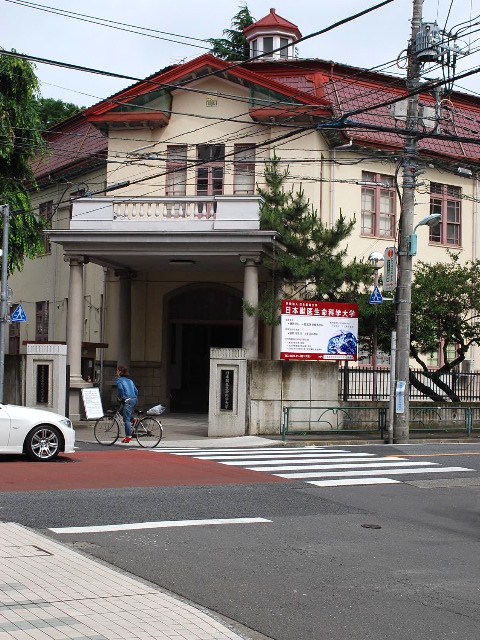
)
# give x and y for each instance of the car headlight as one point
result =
(66, 423)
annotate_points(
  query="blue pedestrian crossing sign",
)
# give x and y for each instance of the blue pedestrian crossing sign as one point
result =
(19, 315)
(376, 297)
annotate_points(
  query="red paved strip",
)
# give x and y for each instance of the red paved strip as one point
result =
(118, 469)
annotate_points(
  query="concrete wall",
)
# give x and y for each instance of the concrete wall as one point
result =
(14, 387)
(273, 384)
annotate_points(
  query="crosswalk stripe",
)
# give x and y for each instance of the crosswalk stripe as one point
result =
(387, 472)
(353, 482)
(353, 465)
(247, 456)
(238, 450)
(266, 463)
(317, 465)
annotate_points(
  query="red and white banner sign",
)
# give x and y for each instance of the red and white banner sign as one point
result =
(319, 330)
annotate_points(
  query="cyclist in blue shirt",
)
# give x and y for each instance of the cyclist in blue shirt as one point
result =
(128, 394)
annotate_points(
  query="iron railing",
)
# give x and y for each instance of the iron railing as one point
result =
(374, 384)
(323, 421)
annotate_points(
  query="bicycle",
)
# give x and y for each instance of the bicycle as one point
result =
(146, 429)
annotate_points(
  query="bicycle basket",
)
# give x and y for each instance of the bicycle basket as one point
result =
(157, 410)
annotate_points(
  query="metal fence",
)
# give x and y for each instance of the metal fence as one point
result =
(374, 384)
(324, 420)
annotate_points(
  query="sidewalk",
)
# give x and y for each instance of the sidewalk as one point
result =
(51, 592)
(183, 430)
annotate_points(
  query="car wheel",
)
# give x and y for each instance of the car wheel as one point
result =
(43, 443)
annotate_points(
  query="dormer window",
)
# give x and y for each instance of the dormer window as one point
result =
(267, 45)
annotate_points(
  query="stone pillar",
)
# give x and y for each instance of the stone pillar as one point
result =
(124, 353)
(250, 295)
(75, 319)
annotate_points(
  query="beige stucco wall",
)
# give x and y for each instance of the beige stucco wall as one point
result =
(46, 277)
(193, 122)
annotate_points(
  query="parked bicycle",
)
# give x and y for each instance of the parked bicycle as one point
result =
(146, 429)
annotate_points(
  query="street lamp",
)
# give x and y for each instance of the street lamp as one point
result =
(429, 221)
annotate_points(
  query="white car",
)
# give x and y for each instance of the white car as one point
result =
(40, 434)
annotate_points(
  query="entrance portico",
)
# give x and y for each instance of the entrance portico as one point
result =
(139, 251)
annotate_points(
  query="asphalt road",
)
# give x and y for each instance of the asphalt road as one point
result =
(397, 561)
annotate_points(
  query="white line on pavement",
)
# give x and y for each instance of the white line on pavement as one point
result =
(353, 482)
(157, 525)
(352, 465)
(371, 472)
(314, 460)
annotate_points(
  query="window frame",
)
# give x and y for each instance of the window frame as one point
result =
(442, 197)
(244, 168)
(377, 190)
(212, 166)
(45, 210)
(41, 321)
(176, 169)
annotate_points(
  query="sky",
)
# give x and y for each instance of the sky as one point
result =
(369, 41)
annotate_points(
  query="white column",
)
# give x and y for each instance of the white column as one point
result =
(250, 295)
(75, 319)
(124, 353)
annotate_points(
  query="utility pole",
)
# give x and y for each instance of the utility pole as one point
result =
(404, 286)
(4, 295)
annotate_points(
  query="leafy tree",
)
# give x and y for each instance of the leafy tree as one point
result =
(21, 141)
(233, 46)
(51, 111)
(313, 263)
(445, 312)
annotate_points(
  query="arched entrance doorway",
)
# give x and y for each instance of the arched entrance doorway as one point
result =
(199, 318)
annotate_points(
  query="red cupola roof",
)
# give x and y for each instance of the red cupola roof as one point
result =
(273, 22)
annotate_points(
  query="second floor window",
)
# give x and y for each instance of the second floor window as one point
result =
(446, 200)
(41, 321)
(244, 169)
(176, 170)
(378, 205)
(46, 212)
(210, 170)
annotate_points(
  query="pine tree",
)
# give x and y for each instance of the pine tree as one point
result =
(312, 264)
(233, 46)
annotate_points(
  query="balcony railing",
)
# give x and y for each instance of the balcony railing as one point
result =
(195, 213)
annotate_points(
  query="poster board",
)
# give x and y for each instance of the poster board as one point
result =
(313, 330)
(92, 403)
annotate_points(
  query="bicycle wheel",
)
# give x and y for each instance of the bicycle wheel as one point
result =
(107, 430)
(149, 432)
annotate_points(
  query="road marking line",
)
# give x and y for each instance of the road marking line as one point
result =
(238, 451)
(264, 456)
(163, 524)
(315, 460)
(353, 482)
(434, 455)
(333, 474)
(353, 465)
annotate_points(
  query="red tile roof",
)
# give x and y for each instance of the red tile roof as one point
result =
(74, 145)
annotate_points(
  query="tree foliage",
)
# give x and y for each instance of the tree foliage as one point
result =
(445, 315)
(233, 46)
(21, 141)
(51, 111)
(312, 264)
